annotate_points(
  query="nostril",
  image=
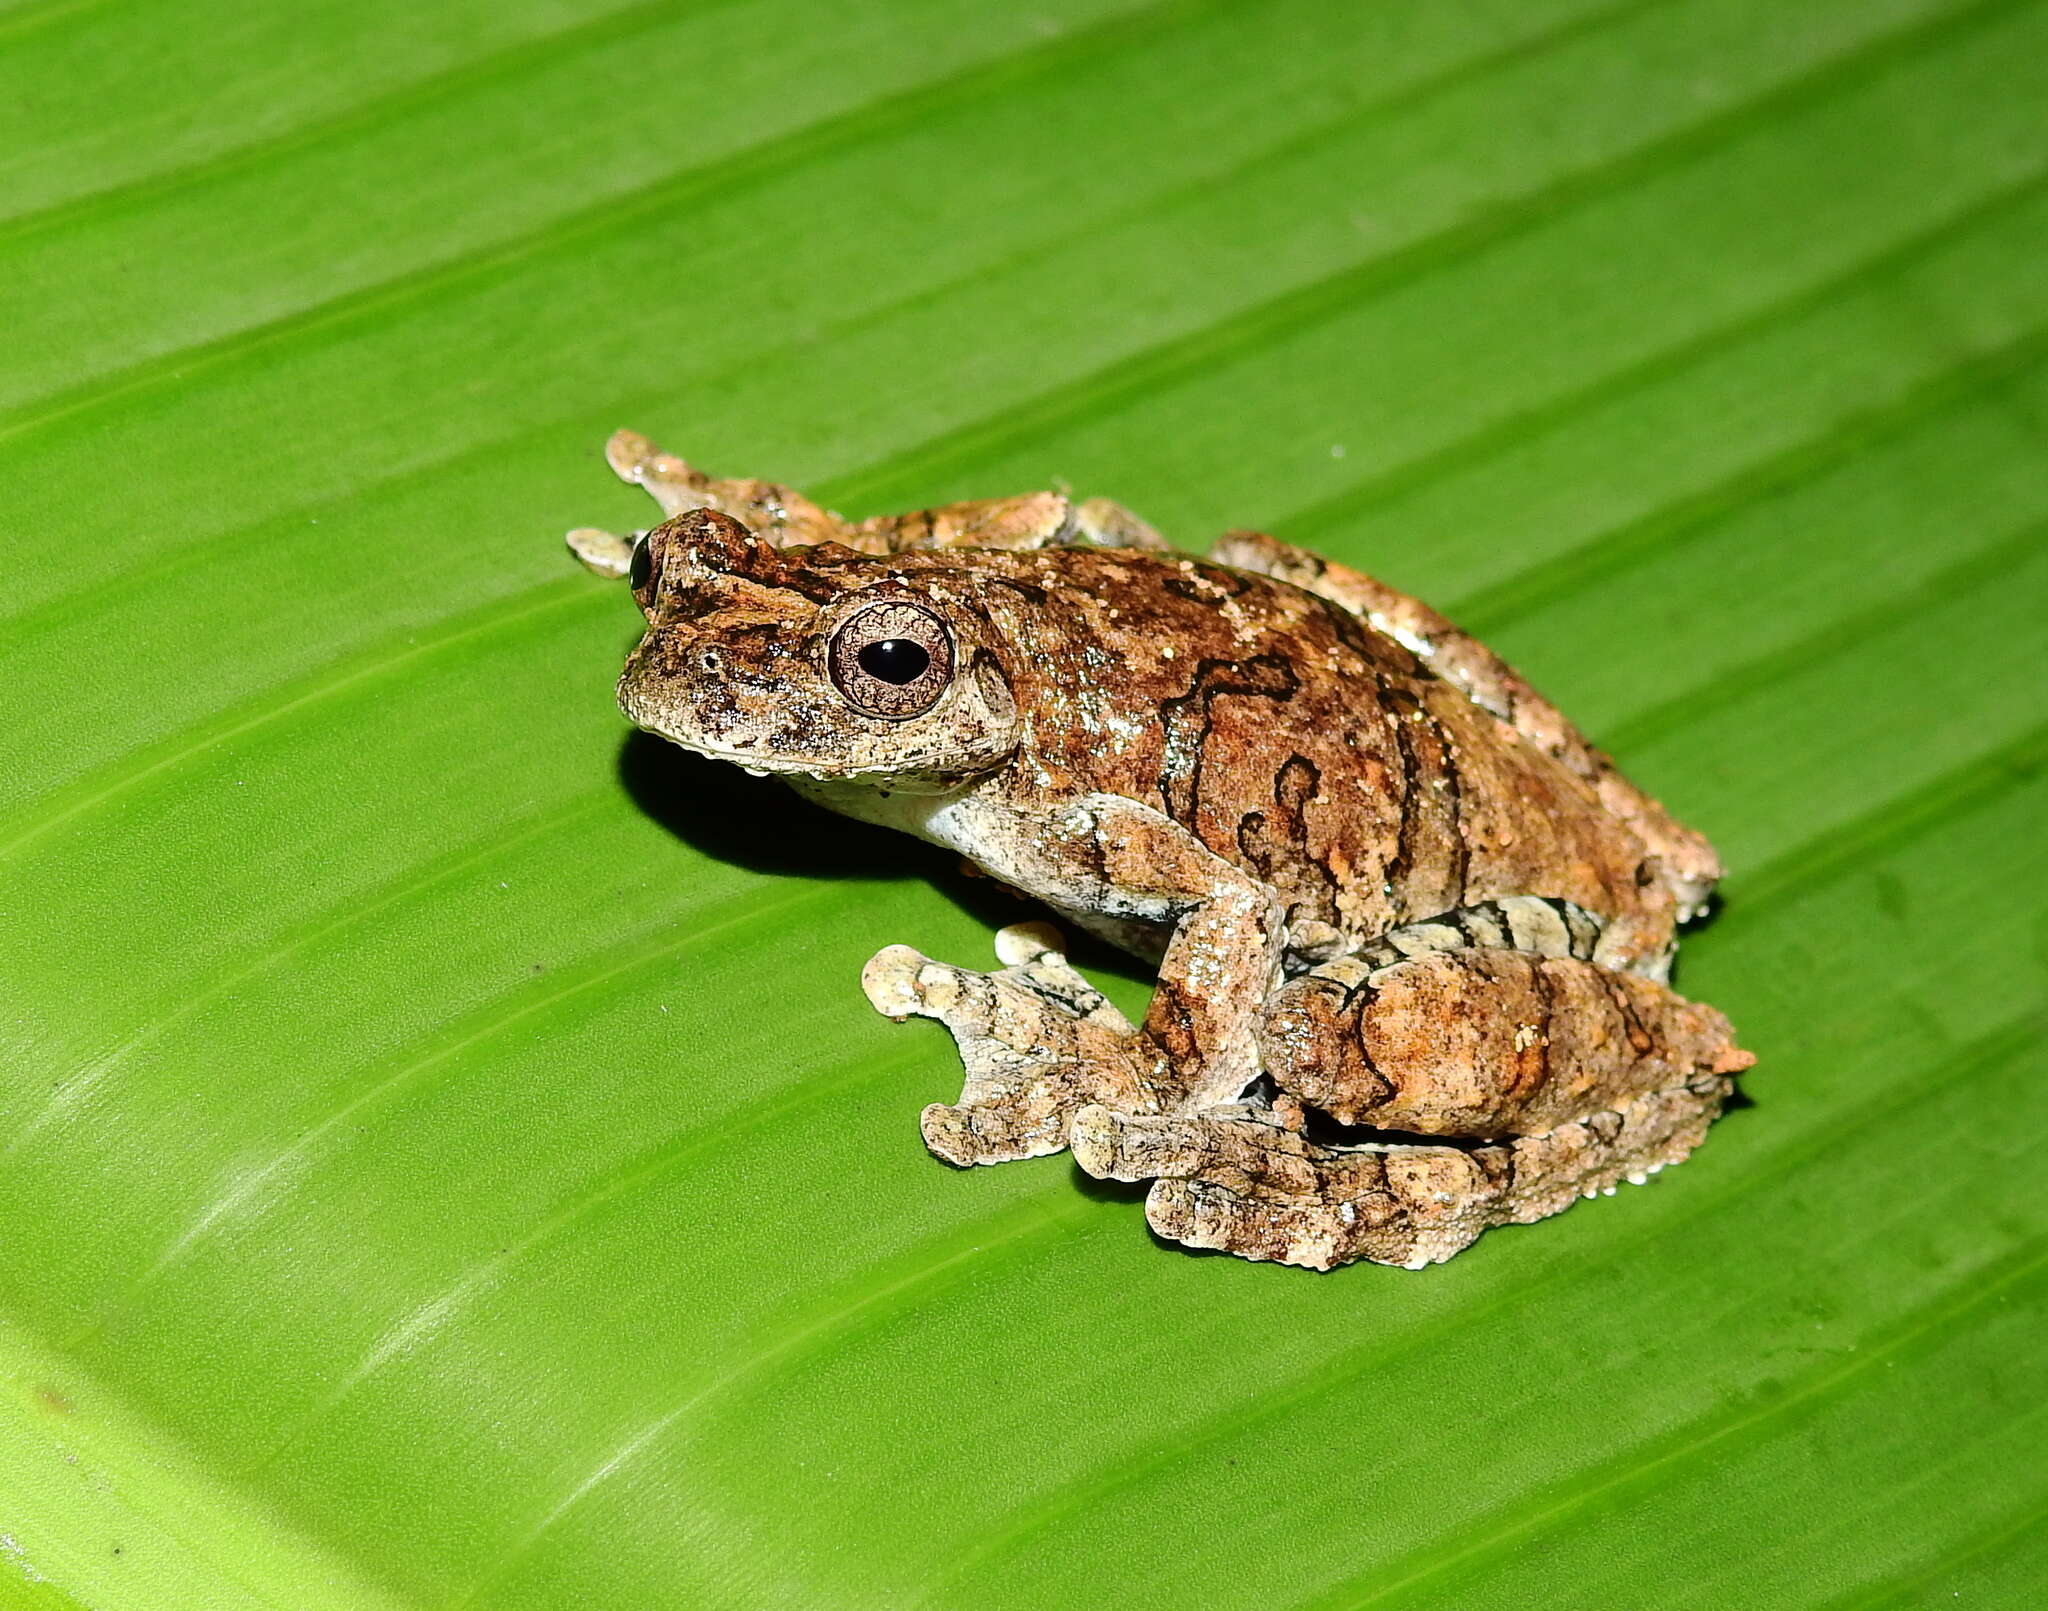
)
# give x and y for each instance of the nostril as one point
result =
(710, 661)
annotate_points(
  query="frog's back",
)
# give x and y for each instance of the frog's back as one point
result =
(1300, 744)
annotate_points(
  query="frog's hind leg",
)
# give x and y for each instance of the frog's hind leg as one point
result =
(1037, 1041)
(1483, 1042)
(1550, 1077)
(1265, 1192)
(1686, 861)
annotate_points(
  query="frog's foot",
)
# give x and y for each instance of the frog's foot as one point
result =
(1263, 1191)
(1038, 1041)
(778, 515)
(671, 482)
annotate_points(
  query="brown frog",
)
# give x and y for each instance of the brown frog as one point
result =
(1411, 929)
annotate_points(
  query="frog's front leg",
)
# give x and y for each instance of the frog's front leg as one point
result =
(1130, 862)
(1034, 1058)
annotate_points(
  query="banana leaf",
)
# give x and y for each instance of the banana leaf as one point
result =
(445, 1158)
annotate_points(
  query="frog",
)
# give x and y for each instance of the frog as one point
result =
(1411, 931)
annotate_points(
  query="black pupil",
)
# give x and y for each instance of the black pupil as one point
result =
(640, 567)
(896, 660)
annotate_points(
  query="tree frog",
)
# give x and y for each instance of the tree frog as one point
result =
(1412, 931)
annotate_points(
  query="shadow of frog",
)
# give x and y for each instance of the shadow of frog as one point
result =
(759, 824)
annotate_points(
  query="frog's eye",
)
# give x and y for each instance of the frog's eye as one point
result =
(891, 660)
(640, 572)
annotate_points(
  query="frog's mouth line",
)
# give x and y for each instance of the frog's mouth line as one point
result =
(761, 766)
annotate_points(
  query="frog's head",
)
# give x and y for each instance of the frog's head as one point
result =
(814, 661)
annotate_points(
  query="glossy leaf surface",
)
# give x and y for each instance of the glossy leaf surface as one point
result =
(445, 1158)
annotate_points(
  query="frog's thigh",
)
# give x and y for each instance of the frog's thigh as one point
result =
(1484, 1042)
(1036, 1041)
(1264, 1192)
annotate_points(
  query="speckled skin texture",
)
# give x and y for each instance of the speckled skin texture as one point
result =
(1388, 887)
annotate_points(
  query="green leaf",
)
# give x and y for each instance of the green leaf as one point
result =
(445, 1159)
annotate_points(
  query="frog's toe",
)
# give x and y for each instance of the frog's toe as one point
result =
(1037, 962)
(889, 981)
(902, 982)
(1023, 943)
(949, 1134)
(1248, 1155)
(632, 456)
(601, 552)
(1025, 1011)
(1202, 1214)
(993, 1132)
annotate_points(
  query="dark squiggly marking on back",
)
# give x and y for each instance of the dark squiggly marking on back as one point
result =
(1187, 721)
